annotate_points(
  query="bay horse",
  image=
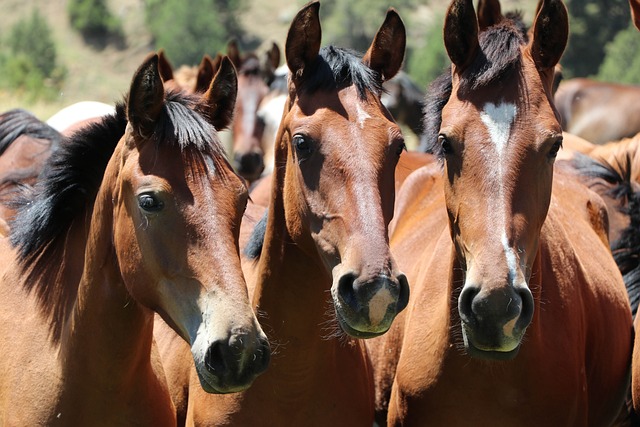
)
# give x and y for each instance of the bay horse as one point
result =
(254, 77)
(599, 111)
(320, 270)
(136, 214)
(518, 314)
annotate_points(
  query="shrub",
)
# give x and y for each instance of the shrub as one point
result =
(93, 19)
(30, 65)
(188, 30)
(622, 62)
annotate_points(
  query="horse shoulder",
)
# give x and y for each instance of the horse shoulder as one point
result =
(577, 260)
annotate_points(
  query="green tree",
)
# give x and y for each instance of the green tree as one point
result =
(593, 23)
(622, 62)
(31, 62)
(187, 30)
(427, 60)
(353, 23)
(92, 18)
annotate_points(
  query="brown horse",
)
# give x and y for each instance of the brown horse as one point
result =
(136, 214)
(518, 314)
(189, 79)
(323, 261)
(599, 111)
(25, 145)
(254, 77)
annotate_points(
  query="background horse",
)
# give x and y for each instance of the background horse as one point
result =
(254, 77)
(135, 214)
(512, 279)
(25, 145)
(599, 111)
(323, 262)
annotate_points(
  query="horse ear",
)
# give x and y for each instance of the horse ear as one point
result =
(461, 33)
(164, 66)
(635, 12)
(206, 72)
(233, 52)
(273, 57)
(550, 33)
(303, 39)
(220, 98)
(146, 96)
(386, 52)
(489, 13)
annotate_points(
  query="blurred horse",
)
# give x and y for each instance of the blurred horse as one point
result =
(322, 265)
(134, 214)
(254, 77)
(518, 314)
(25, 145)
(598, 111)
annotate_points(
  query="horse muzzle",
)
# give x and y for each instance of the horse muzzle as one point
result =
(366, 308)
(232, 364)
(494, 320)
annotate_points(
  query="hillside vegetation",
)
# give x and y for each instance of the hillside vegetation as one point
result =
(102, 70)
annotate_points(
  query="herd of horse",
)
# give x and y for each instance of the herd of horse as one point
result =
(323, 274)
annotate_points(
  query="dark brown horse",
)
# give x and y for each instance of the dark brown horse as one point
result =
(136, 214)
(323, 263)
(518, 314)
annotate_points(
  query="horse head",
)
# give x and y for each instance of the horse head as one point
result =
(498, 138)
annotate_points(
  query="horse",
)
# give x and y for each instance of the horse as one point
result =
(25, 145)
(518, 313)
(254, 78)
(599, 111)
(319, 267)
(69, 118)
(189, 79)
(135, 214)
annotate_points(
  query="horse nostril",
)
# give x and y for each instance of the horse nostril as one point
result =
(465, 303)
(345, 289)
(526, 312)
(214, 359)
(263, 356)
(403, 297)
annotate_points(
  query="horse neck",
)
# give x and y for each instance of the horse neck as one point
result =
(108, 334)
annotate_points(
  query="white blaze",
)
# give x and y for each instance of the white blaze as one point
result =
(498, 119)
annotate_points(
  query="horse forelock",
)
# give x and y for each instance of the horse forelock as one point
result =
(337, 68)
(498, 56)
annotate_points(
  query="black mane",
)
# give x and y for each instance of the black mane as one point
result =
(67, 190)
(498, 57)
(17, 122)
(337, 68)
(619, 186)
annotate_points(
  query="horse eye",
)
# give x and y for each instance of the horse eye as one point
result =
(555, 148)
(149, 203)
(303, 146)
(401, 147)
(445, 144)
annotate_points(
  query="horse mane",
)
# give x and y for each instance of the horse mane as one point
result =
(66, 192)
(256, 241)
(337, 68)
(626, 249)
(497, 58)
(17, 122)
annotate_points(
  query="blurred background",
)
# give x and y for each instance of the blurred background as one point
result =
(57, 52)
